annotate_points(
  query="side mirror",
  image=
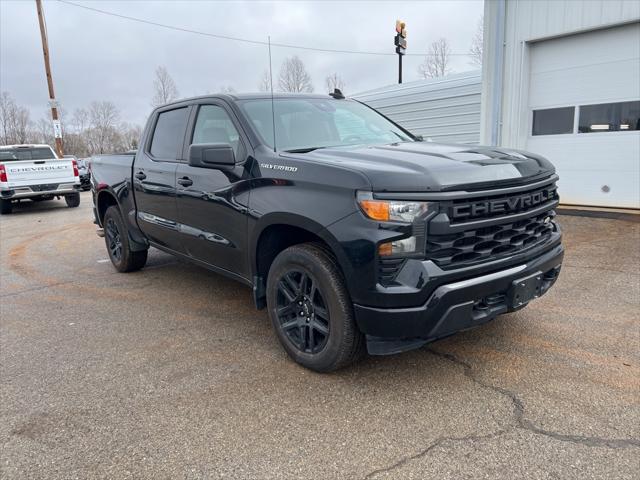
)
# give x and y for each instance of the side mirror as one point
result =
(211, 155)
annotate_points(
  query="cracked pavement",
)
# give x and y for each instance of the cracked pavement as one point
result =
(171, 373)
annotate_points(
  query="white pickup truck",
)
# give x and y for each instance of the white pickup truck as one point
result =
(35, 172)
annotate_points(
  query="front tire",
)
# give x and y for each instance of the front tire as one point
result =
(72, 200)
(117, 241)
(311, 310)
(6, 206)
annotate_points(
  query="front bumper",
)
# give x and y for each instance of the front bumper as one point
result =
(456, 306)
(40, 190)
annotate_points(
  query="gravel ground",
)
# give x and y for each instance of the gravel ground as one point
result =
(171, 373)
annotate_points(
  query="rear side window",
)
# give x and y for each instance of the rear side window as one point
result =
(168, 134)
(29, 153)
(553, 121)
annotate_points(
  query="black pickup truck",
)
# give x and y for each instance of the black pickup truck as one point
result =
(352, 232)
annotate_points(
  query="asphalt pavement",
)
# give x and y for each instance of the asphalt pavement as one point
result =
(170, 372)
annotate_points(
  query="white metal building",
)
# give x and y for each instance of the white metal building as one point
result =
(444, 110)
(562, 78)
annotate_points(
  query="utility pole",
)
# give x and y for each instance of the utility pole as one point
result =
(400, 42)
(57, 129)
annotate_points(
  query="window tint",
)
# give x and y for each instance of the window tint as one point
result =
(609, 117)
(29, 153)
(553, 121)
(214, 125)
(168, 134)
(318, 122)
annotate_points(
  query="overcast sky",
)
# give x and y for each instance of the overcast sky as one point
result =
(99, 57)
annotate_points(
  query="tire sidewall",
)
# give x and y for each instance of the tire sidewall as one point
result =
(114, 214)
(72, 200)
(340, 315)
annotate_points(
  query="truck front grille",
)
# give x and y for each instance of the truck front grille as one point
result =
(491, 242)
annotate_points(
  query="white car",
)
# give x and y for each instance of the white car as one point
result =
(35, 172)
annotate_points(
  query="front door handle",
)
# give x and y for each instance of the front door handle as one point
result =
(140, 176)
(185, 181)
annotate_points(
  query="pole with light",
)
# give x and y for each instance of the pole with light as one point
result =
(400, 42)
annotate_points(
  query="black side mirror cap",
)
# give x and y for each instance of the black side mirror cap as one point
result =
(211, 155)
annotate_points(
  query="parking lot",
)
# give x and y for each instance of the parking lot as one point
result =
(170, 372)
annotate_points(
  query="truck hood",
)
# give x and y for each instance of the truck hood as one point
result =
(428, 166)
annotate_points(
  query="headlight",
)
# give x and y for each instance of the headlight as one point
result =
(390, 210)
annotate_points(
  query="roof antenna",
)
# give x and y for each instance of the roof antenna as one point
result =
(337, 94)
(273, 114)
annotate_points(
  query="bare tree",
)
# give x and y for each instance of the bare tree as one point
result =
(6, 108)
(334, 81)
(227, 89)
(475, 51)
(44, 131)
(15, 124)
(80, 120)
(21, 125)
(165, 88)
(130, 136)
(436, 63)
(103, 120)
(294, 77)
(265, 82)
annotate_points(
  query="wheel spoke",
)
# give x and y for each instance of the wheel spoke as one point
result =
(293, 286)
(304, 283)
(285, 289)
(321, 312)
(286, 310)
(286, 326)
(312, 344)
(319, 327)
(302, 331)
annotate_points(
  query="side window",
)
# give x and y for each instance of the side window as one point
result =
(168, 134)
(213, 125)
(553, 121)
(609, 117)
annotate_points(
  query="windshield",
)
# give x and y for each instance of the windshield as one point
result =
(28, 153)
(309, 123)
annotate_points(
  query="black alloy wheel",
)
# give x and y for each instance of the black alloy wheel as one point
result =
(302, 311)
(311, 310)
(114, 240)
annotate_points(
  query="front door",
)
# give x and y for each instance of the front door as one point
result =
(212, 203)
(154, 179)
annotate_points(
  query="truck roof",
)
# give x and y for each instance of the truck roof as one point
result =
(25, 145)
(250, 96)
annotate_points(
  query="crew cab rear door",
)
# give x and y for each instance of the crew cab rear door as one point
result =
(154, 177)
(30, 166)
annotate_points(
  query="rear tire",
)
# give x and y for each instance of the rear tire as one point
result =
(311, 310)
(6, 206)
(117, 241)
(72, 200)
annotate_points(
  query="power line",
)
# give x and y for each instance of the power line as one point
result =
(238, 39)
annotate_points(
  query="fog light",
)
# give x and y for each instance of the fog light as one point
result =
(398, 247)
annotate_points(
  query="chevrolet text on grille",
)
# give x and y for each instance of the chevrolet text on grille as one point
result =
(503, 205)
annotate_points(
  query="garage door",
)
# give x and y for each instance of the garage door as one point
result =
(584, 106)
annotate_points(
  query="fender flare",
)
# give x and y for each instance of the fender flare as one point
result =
(299, 221)
(137, 240)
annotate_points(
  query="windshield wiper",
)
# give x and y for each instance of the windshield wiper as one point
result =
(303, 150)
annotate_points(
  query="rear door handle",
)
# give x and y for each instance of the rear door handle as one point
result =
(185, 181)
(140, 176)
